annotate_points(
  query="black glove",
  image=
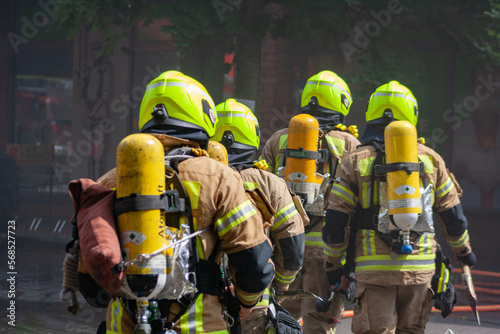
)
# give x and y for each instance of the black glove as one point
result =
(445, 301)
(282, 321)
(334, 276)
(286, 323)
(349, 293)
(469, 259)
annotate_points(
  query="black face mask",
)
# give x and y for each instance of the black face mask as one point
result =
(239, 156)
(327, 119)
(374, 132)
(196, 135)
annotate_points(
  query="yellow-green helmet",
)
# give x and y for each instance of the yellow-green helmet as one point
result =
(392, 101)
(178, 105)
(326, 92)
(237, 126)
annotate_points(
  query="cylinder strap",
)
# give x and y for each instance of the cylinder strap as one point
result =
(169, 201)
(300, 153)
(409, 167)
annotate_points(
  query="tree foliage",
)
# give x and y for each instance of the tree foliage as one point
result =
(383, 37)
(470, 29)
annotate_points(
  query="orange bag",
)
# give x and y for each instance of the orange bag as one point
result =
(98, 239)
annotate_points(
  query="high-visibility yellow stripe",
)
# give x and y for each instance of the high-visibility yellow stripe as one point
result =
(191, 321)
(461, 242)
(402, 262)
(368, 242)
(283, 215)
(335, 145)
(250, 298)
(444, 188)
(234, 217)
(250, 185)
(323, 83)
(404, 96)
(178, 84)
(444, 277)
(428, 163)
(284, 279)
(364, 195)
(366, 166)
(282, 145)
(116, 317)
(344, 193)
(193, 189)
(283, 141)
(334, 252)
(265, 299)
(235, 113)
(314, 239)
(425, 243)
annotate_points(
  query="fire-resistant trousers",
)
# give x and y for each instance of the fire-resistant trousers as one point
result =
(391, 309)
(313, 278)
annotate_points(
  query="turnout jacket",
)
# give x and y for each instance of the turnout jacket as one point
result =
(219, 202)
(339, 143)
(374, 263)
(287, 231)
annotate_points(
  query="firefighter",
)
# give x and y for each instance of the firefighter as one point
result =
(178, 111)
(238, 130)
(393, 276)
(328, 99)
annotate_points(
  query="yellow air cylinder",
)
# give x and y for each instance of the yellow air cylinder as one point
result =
(300, 171)
(140, 170)
(403, 190)
(217, 151)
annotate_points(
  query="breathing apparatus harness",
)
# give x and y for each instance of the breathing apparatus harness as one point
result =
(322, 156)
(368, 218)
(207, 274)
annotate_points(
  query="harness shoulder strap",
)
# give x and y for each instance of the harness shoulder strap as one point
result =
(364, 218)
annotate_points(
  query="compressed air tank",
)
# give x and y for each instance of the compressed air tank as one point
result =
(301, 160)
(140, 172)
(403, 187)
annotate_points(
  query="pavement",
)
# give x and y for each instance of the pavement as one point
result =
(456, 323)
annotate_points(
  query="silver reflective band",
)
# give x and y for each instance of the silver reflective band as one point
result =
(179, 84)
(393, 263)
(247, 208)
(284, 214)
(396, 95)
(314, 82)
(238, 115)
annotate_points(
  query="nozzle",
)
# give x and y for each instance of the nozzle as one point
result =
(322, 305)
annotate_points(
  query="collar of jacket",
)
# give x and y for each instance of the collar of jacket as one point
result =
(327, 119)
(373, 132)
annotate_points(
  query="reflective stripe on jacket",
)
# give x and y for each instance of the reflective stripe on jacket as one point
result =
(374, 262)
(220, 203)
(339, 143)
(287, 231)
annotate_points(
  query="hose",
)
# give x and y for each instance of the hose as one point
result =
(480, 289)
(478, 272)
(481, 308)
(70, 284)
